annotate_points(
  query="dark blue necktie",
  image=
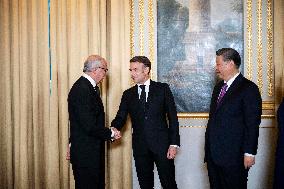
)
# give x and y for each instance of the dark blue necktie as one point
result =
(143, 97)
(143, 94)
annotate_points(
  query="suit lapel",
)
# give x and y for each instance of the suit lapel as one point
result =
(232, 89)
(134, 96)
(150, 93)
(215, 95)
(93, 92)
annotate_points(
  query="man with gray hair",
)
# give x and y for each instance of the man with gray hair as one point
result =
(87, 126)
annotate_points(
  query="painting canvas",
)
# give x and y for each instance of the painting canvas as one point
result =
(189, 32)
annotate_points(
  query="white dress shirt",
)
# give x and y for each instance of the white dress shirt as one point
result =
(93, 82)
(147, 84)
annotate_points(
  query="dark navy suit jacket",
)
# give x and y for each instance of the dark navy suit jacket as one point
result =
(279, 165)
(233, 127)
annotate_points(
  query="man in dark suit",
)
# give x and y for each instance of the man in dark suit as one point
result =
(155, 125)
(231, 136)
(87, 126)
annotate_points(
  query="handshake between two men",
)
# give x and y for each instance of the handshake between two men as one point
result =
(115, 135)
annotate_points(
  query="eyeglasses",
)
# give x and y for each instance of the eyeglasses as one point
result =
(105, 69)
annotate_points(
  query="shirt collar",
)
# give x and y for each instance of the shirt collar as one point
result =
(230, 81)
(93, 82)
(147, 83)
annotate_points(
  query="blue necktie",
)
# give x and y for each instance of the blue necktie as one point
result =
(143, 94)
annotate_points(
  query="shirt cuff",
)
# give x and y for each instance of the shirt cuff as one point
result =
(173, 145)
(112, 133)
(251, 155)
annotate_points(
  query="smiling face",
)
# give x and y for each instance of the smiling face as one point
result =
(139, 72)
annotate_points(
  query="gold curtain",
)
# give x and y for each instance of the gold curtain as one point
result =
(78, 29)
(34, 117)
(120, 156)
(24, 94)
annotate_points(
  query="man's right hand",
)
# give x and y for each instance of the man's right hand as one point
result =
(117, 134)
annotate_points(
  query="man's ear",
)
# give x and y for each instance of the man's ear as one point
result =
(232, 63)
(147, 70)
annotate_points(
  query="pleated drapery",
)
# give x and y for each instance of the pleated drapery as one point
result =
(34, 119)
(25, 119)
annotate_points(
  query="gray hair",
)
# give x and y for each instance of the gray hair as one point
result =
(90, 65)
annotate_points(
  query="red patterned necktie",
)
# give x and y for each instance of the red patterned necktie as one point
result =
(222, 93)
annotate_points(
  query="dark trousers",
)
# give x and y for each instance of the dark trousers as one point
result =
(144, 163)
(227, 177)
(88, 178)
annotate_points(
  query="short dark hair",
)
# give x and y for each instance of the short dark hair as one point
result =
(230, 54)
(142, 59)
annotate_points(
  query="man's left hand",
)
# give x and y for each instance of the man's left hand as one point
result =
(172, 151)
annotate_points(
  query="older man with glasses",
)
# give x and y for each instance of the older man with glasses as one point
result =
(87, 126)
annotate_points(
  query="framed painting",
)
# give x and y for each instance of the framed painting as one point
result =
(189, 32)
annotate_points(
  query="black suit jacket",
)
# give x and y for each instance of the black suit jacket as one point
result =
(87, 125)
(158, 126)
(233, 128)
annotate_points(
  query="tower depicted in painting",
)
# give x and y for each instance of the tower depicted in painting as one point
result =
(199, 15)
(198, 40)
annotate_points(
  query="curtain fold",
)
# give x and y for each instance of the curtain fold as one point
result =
(34, 119)
(78, 29)
(120, 152)
(6, 150)
(25, 91)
